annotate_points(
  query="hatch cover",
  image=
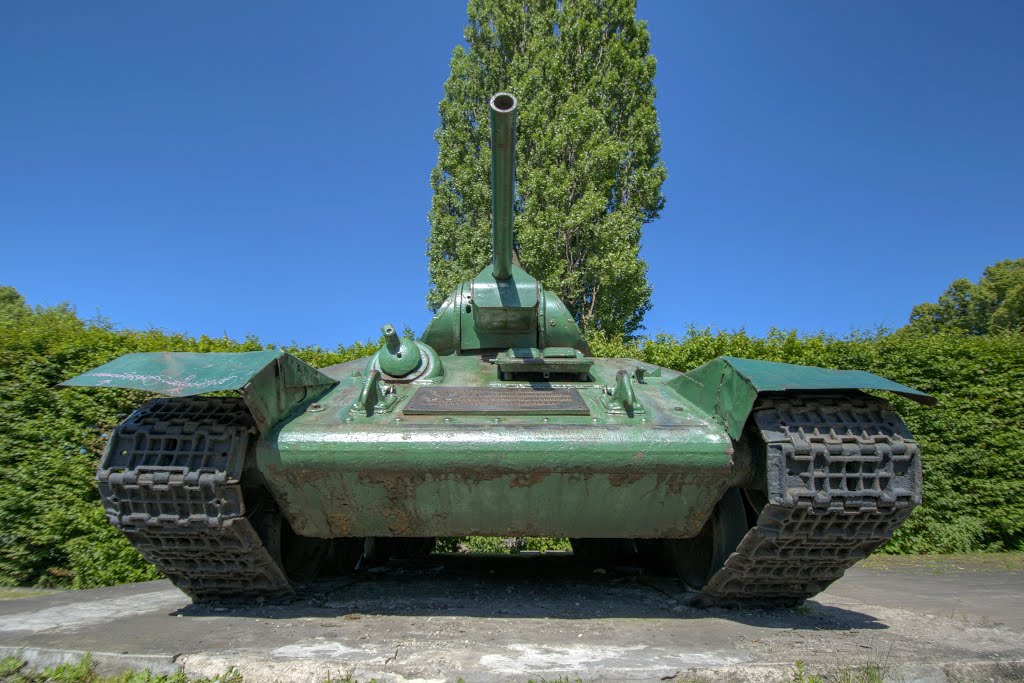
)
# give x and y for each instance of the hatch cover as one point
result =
(486, 400)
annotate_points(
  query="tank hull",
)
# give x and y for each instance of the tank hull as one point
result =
(598, 474)
(759, 482)
(516, 480)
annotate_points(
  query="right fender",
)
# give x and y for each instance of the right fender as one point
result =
(727, 387)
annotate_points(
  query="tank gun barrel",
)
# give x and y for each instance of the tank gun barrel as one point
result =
(503, 177)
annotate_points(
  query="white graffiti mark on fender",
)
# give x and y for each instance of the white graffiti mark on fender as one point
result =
(173, 384)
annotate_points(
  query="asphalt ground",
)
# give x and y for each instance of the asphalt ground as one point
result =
(541, 618)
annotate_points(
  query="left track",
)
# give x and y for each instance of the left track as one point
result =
(170, 480)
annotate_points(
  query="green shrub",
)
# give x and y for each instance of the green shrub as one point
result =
(53, 531)
(497, 545)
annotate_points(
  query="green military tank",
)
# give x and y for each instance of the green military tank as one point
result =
(758, 482)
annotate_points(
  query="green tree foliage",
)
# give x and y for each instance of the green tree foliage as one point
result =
(993, 304)
(588, 173)
(53, 530)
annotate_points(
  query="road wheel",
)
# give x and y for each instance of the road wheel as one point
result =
(302, 558)
(696, 559)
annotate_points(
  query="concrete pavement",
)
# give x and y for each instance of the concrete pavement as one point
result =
(521, 618)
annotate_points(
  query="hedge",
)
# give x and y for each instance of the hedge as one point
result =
(53, 530)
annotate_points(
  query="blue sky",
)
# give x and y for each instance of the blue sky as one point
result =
(262, 167)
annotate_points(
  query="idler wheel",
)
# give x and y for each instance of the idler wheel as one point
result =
(696, 559)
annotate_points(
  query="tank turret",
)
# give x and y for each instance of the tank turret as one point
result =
(503, 307)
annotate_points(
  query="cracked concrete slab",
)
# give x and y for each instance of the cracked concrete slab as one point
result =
(521, 618)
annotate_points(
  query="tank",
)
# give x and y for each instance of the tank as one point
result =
(757, 483)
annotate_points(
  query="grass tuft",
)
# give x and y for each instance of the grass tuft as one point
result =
(15, 670)
(871, 672)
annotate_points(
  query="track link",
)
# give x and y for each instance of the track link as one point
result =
(170, 481)
(843, 472)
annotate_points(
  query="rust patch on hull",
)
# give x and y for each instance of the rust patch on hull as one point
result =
(624, 504)
(625, 479)
(400, 491)
(531, 479)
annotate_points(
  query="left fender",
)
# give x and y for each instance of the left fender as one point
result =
(272, 383)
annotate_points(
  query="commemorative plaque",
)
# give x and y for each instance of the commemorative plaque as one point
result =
(484, 400)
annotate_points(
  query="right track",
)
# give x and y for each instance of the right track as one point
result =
(843, 472)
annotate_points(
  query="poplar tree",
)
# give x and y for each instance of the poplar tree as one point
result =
(588, 170)
(994, 304)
